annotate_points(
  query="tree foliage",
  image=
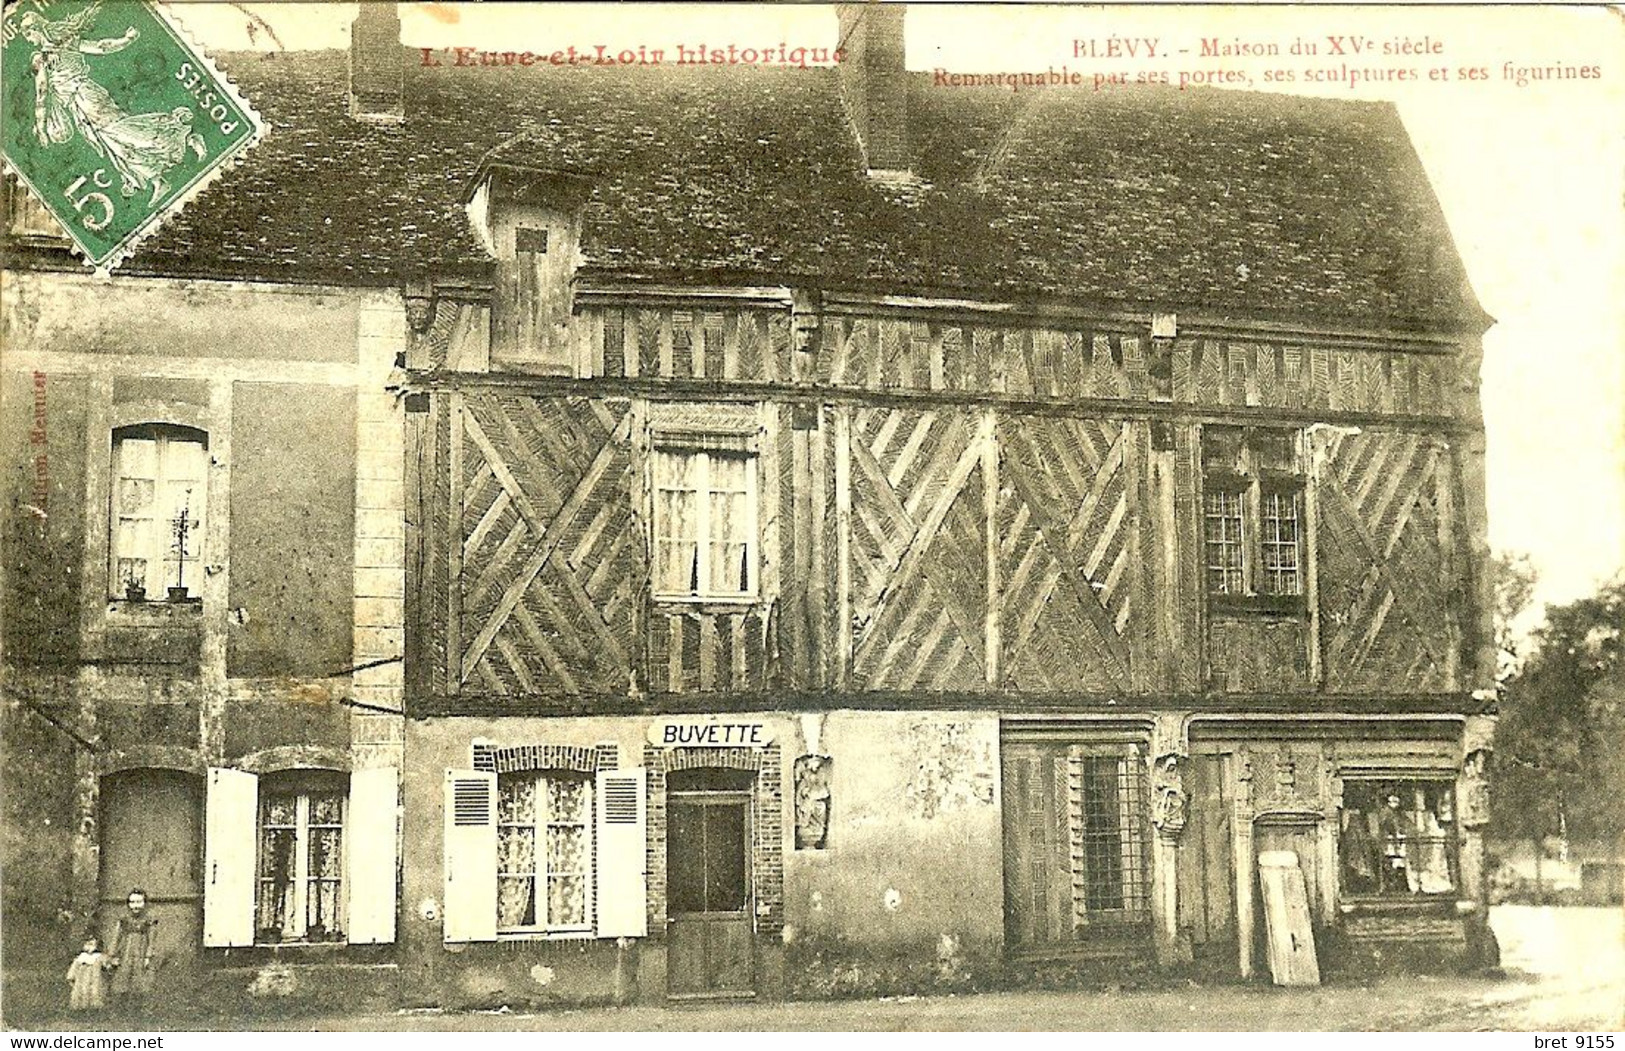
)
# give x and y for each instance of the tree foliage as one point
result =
(1560, 743)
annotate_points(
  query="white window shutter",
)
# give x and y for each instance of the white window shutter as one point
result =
(471, 856)
(623, 886)
(369, 856)
(230, 829)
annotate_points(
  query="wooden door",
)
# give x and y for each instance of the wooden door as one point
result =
(708, 902)
(1207, 877)
(1038, 907)
(151, 837)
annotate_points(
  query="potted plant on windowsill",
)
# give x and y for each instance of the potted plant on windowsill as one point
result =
(180, 530)
(134, 589)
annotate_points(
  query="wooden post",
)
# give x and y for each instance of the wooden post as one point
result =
(1241, 830)
(843, 546)
(454, 548)
(990, 534)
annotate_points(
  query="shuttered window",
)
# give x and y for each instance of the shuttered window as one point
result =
(544, 852)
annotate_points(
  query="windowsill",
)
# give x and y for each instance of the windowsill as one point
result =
(544, 936)
(1370, 904)
(155, 609)
(1256, 605)
(732, 603)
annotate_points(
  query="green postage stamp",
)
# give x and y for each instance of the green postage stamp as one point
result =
(113, 119)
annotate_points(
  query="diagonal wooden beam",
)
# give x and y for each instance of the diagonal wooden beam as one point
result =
(920, 543)
(505, 478)
(549, 540)
(1054, 536)
(1360, 535)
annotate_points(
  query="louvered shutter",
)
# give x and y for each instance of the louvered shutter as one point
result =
(369, 856)
(471, 856)
(230, 824)
(622, 875)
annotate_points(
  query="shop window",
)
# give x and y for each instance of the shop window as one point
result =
(705, 522)
(544, 852)
(1252, 504)
(1398, 838)
(159, 502)
(300, 892)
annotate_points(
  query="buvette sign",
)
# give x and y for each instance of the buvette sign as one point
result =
(710, 733)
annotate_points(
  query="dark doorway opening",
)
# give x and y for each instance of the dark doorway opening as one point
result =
(710, 951)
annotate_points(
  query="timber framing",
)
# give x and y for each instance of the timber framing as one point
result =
(1372, 710)
(746, 391)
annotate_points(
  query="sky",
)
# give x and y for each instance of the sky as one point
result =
(1531, 178)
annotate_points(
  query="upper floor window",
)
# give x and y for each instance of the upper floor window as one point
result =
(705, 522)
(1252, 503)
(159, 502)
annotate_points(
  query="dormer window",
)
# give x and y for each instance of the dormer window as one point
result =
(529, 219)
(159, 501)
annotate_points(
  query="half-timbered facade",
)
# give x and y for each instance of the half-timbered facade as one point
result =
(861, 535)
(966, 557)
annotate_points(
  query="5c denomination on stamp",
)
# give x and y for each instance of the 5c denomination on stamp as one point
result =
(113, 119)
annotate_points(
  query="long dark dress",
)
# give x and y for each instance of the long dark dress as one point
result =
(133, 949)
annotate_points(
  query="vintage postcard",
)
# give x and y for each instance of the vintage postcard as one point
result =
(858, 517)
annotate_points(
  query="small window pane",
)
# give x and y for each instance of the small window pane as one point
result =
(138, 458)
(1226, 560)
(135, 496)
(566, 799)
(567, 901)
(516, 800)
(185, 461)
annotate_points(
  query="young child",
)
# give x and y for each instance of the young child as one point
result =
(132, 953)
(88, 978)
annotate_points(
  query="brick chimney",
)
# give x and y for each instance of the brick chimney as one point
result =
(376, 64)
(874, 86)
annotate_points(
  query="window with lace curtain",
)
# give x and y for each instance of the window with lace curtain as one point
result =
(705, 523)
(300, 896)
(544, 852)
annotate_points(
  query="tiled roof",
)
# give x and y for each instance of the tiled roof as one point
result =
(1252, 204)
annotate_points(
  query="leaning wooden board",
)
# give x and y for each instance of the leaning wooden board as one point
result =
(1286, 919)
